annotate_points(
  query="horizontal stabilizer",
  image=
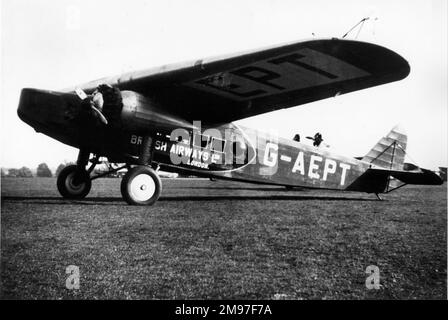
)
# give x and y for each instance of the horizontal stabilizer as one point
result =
(383, 180)
(423, 177)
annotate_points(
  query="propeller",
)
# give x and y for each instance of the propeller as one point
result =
(82, 95)
(98, 112)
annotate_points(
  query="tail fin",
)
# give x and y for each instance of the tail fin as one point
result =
(390, 151)
(387, 172)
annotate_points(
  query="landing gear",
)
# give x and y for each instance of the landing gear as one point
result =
(141, 186)
(74, 183)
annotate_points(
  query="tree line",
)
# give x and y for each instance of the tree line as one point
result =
(24, 172)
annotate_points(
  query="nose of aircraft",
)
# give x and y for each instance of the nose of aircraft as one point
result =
(41, 108)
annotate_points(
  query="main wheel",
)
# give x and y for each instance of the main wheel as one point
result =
(74, 183)
(141, 186)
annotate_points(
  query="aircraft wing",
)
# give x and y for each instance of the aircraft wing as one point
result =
(229, 88)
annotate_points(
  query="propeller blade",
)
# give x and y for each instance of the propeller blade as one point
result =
(102, 117)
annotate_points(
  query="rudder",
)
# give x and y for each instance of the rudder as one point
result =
(390, 151)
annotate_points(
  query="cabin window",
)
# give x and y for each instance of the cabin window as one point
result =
(239, 150)
(218, 144)
(201, 140)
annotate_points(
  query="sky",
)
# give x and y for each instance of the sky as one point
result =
(51, 44)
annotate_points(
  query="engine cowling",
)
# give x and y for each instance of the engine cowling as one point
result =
(141, 113)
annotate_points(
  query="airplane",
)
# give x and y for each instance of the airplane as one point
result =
(180, 118)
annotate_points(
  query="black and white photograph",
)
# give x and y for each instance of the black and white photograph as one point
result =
(224, 155)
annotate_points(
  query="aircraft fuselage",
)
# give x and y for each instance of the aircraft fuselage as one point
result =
(225, 151)
(258, 157)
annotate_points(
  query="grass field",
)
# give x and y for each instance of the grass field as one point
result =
(206, 239)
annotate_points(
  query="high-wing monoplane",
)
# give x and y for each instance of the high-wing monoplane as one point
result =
(181, 118)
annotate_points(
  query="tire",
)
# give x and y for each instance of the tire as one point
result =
(141, 186)
(71, 189)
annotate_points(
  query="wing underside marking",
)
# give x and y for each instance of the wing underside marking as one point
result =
(301, 69)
